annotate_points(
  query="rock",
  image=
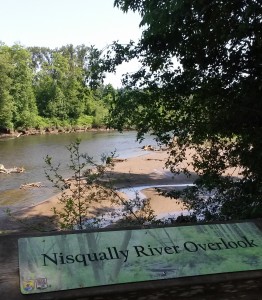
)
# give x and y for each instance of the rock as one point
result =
(148, 148)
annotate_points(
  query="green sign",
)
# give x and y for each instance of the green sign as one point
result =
(79, 260)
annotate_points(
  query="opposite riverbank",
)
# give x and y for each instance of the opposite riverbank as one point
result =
(145, 170)
(51, 130)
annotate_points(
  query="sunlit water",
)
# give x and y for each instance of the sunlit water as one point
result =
(29, 152)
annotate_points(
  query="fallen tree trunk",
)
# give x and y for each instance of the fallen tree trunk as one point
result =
(31, 185)
(11, 170)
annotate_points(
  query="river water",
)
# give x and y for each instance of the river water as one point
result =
(29, 152)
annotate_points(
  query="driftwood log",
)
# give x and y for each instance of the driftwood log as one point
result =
(118, 159)
(11, 170)
(31, 185)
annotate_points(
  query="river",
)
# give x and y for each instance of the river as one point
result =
(29, 152)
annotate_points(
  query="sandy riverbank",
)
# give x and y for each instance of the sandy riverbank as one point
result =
(145, 170)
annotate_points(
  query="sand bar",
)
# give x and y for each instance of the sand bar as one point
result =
(148, 169)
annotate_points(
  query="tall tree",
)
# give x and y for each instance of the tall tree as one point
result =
(62, 77)
(53, 80)
(25, 109)
(200, 83)
(6, 100)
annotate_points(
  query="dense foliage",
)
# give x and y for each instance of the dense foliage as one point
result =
(199, 89)
(41, 87)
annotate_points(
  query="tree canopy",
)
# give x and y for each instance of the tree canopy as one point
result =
(42, 87)
(199, 89)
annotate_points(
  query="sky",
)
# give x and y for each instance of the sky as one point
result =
(54, 23)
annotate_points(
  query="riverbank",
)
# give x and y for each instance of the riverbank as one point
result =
(145, 170)
(51, 130)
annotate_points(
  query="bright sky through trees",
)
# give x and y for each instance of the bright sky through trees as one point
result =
(54, 23)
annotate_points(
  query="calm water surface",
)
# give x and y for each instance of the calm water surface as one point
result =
(29, 152)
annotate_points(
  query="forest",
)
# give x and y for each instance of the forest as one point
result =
(42, 87)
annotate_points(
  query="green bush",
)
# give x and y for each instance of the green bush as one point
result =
(40, 122)
(100, 115)
(85, 120)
